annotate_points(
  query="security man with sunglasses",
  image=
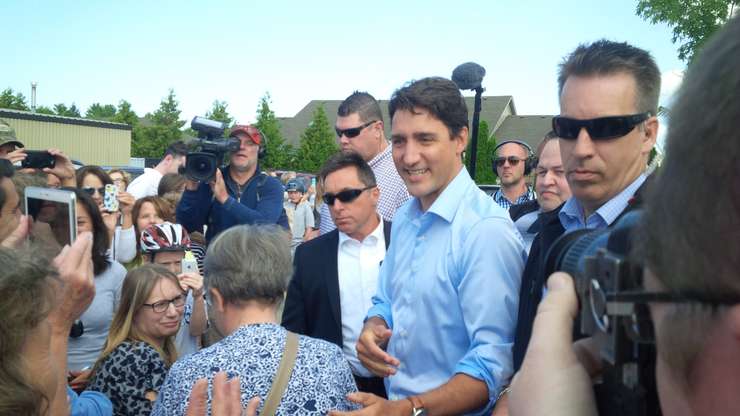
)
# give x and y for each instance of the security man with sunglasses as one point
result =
(607, 128)
(513, 162)
(336, 274)
(359, 128)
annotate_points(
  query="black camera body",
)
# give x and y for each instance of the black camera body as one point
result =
(201, 165)
(600, 263)
(38, 159)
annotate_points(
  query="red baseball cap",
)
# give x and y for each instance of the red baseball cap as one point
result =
(251, 131)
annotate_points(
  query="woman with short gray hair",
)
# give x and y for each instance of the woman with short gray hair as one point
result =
(247, 269)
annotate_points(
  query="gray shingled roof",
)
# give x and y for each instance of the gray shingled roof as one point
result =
(529, 129)
(493, 111)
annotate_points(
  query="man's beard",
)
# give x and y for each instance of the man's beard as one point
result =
(241, 169)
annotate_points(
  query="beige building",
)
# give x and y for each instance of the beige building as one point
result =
(91, 142)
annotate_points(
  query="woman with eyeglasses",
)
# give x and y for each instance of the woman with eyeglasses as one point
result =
(122, 238)
(140, 346)
(120, 178)
(87, 342)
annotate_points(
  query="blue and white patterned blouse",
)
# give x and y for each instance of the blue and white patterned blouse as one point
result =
(320, 381)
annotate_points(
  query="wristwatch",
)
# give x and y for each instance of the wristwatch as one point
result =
(417, 407)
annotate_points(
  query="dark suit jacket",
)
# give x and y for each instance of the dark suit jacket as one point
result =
(312, 305)
(535, 276)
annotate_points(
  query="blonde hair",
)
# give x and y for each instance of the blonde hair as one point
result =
(137, 286)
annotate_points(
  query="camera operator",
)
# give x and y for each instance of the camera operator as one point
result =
(239, 194)
(607, 128)
(690, 253)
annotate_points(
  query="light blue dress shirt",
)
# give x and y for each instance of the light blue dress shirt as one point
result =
(449, 290)
(571, 215)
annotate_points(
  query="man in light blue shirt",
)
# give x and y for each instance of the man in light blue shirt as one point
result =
(442, 322)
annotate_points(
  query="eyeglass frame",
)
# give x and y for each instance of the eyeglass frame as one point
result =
(167, 303)
(88, 189)
(633, 120)
(358, 129)
(331, 198)
(499, 162)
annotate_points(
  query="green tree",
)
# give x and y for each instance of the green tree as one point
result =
(42, 109)
(101, 112)
(152, 140)
(13, 101)
(124, 114)
(219, 112)
(168, 113)
(280, 155)
(486, 143)
(61, 109)
(693, 21)
(317, 143)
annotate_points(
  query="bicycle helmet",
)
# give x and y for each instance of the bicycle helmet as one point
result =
(164, 237)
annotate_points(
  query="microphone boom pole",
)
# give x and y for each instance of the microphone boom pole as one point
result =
(468, 76)
(474, 133)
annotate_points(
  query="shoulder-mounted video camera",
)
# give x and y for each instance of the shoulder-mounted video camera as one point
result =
(609, 286)
(212, 147)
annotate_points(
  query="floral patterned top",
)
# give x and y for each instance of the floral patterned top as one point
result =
(127, 374)
(320, 381)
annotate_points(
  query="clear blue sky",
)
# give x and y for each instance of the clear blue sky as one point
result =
(86, 52)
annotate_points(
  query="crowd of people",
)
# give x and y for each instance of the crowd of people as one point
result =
(391, 284)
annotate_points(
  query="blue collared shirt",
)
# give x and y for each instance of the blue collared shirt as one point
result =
(449, 290)
(571, 215)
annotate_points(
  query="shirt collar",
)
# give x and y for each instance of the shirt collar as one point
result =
(374, 237)
(447, 203)
(571, 216)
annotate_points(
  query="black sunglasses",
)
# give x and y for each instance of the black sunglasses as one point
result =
(513, 161)
(345, 196)
(91, 191)
(602, 128)
(354, 131)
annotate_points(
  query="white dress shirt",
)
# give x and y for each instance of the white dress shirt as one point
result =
(358, 264)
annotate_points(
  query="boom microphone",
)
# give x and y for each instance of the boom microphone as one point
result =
(468, 76)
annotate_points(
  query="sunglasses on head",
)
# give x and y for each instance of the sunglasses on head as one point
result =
(91, 191)
(598, 128)
(513, 161)
(345, 196)
(354, 131)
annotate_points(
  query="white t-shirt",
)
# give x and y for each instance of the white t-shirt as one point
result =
(145, 184)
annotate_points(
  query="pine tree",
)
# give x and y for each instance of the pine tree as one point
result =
(101, 112)
(317, 143)
(219, 112)
(486, 143)
(279, 154)
(152, 141)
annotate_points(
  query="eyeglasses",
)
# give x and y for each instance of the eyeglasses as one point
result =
(602, 128)
(632, 306)
(354, 131)
(513, 161)
(91, 191)
(162, 305)
(345, 196)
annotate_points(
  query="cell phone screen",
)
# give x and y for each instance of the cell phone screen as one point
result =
(51, 222)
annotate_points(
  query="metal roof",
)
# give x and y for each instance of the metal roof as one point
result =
(49, 118)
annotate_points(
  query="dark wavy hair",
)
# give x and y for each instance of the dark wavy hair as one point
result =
(100, 259)
(95, 171)
(25, 301)
(439, 96)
